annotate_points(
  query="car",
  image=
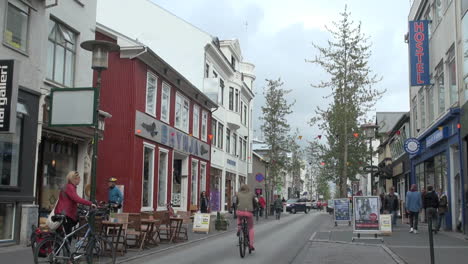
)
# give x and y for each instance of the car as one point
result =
(296, 205)
(314, 204)
(308, 204)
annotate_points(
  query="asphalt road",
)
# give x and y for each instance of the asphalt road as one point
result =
(275, 242)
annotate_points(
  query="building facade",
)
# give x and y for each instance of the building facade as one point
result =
(435, 108)
(156, 143)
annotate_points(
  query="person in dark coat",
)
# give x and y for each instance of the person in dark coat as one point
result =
(204, 203)
(443, 207)
(431, 204)
(391, 205)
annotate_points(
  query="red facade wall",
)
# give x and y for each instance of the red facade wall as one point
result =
(120, 154)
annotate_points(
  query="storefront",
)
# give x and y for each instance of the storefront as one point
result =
(439, 163)
(215, 189)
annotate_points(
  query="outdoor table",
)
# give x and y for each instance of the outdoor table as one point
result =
(175, 224)
(114, 236)
(151, 230)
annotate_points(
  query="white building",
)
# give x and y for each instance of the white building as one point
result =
(215, 67)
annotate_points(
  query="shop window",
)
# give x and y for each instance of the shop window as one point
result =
(151, 84)
(16, 27)
(165, 102)
(196, 121)
(182, 113)
(61, 54)
(202, 176)
(10, 155)
(7, 221)
(148, 177)
(162, 178)
(204, 125)
(194, 190)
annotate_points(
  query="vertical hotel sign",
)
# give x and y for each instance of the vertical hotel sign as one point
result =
(8, 96)
(419, 53)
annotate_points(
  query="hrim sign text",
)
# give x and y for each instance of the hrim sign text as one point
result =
(419, 53)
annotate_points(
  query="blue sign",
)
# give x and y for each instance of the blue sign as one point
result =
(231, 162)
(342, 210)
(412, 146)
(259, 177)
(434, 138)
(419, 52)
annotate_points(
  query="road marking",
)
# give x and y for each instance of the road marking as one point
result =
(313, 236)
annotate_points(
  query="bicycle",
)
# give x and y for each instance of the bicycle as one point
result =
(244, 240)
(92, 247)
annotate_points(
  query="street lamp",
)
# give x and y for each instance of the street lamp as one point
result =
(100, 50)
(369, 132)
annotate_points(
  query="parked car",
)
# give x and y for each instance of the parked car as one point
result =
(314, 204)
(296, 205)
(308, 204)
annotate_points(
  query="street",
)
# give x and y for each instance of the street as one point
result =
(275, 242)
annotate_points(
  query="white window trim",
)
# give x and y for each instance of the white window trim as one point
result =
(185, 129)
(166, 120)
(148, 74)
(196, 132)
(204, 136)
(196, 183)
(202, 178)
(147, 208)
(159, 208)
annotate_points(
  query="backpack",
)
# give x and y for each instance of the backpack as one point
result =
(37, 236)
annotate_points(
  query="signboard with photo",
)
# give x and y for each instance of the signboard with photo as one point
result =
(366, 214)
(342, 210)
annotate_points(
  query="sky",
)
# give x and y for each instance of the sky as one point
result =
(277, 37)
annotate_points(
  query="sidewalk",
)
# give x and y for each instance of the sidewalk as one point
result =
(401, 245)
(23, 254)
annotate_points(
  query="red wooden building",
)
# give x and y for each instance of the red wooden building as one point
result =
(157, 141)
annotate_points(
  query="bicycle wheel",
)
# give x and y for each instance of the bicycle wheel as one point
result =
(100, 250)
(50, 250)
(242, 243)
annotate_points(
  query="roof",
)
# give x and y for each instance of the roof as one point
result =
(387, 120)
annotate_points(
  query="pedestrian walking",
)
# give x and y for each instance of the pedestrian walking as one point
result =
(443, 206)
(413, 206)
(204, 203)
(391, 205)
(278, 205)
(262, 204)
(431, 204)
(234, 205)
(115, 196)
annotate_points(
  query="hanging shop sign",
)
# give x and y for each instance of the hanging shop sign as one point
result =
(8, 95)
(366, 214)
(419, 52)
(412, 146)
(70, 107)
(155, 130)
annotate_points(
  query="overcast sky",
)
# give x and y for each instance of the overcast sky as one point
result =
(276, 36)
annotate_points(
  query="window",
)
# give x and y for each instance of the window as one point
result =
(61, 54)
(220, 135)
(228, 140)
(233, 62)
(16, 27)
(207, 70)
(415, 115)
(241, 112)
(240, 148)
(244, 121)
(452, 77)
(215, 75)
(428, 16)
(234, 141)
(440, 86)
(151, 82)
(221, 92)
(165, 102)
(148, 176)
(244, 148)
(231, 98)
(422, 108)
(7, 221)
(10, 156)
(194, 191)
(237, 100)
(196, 121)
(162, 178)
(430, 103)
(181, 113)
(202, 176)
(213, 131)
(204, 125)
(465, 51)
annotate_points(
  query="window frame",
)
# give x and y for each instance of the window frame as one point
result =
(214, 132)
(150, 206)
(220, 135)
(166, 151)
(155, 77)
(192, 187)
(439, 73)
(202, 177)
(186, 126)
(228, 140)
(168, 86)
(196, 125)
(204, 123)
(231, 98)
(221, 92)
(452, 79)
(28, 26)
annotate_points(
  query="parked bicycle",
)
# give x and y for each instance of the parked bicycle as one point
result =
(244, 240)
(59, 247)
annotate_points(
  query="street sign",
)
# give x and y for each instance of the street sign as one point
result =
(370, 169)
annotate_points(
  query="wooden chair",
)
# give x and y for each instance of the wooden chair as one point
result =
(186, 224)
(124, 218)
(164, 229)
(134, 232)
(193, 210)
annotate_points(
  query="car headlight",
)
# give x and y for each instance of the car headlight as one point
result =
(288, 204)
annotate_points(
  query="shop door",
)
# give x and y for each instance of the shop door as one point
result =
(179, 183)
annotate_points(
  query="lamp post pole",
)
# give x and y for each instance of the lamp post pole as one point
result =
(96, 137)
(266, 191)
